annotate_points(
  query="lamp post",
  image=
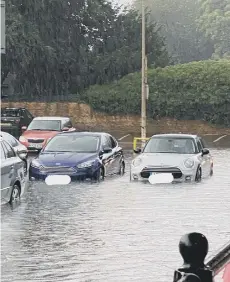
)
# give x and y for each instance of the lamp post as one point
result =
(143, 78)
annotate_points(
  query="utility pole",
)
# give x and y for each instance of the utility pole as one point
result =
(143, 78)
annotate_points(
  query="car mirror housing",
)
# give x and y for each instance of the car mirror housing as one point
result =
(137, 150)
(205, 151)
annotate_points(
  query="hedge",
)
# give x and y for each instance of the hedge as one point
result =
(195, 91)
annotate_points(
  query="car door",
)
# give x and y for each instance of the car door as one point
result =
(117, 155)
(203, 159)
(107, 158)
(5, 181)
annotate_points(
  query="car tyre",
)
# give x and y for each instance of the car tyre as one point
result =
(25, 167)
(15, 194)
(122, 168)
(99, 175)
(198, 175)
(211, 171)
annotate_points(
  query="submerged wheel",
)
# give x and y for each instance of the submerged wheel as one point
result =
(122, 168)
(99, 174)
(15, 194)
(198, 175)
(25, 167)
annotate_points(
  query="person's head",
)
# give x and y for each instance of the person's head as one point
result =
(189, 277)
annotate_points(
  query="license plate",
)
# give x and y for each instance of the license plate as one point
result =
(36, 146)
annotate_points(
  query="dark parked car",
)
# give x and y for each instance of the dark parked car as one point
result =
(80, 155)
(13, 179)
(13, 119)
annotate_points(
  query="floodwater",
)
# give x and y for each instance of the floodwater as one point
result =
(114, 230)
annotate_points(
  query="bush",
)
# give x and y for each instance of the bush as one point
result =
(197, 90)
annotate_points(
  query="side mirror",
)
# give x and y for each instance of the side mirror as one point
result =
(107, 150)
(205, 151)
(65, 129)
(137, 151)
(21, 152)
(24, 128)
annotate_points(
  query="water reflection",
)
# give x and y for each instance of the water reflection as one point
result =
(112, 231)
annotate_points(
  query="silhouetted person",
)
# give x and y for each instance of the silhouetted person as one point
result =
(193, 248)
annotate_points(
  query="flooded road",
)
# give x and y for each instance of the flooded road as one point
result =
(112, 231)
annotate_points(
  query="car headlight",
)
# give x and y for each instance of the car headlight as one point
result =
(85, 164)
(189, 163)
(22, 139)
(36, 164)
(137, 162)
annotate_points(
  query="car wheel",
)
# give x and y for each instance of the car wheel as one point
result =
(122, 168)
(25, 167)
(198, 175)
(211, 171)
(15, 194)
(99, 175)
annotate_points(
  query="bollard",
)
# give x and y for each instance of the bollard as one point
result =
(193, 248)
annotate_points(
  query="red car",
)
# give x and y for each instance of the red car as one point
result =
(41, 129)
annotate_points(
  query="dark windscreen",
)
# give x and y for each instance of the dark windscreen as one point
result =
(49, 125)
(171, 145)
(10, 113)
(73, 143)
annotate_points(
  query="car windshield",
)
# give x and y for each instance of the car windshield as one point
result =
(73, 143)
(10, 113)
(170, 145)
(50, 125)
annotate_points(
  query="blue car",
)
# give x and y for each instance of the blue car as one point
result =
(80, 155)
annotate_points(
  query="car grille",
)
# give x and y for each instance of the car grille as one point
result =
(57, 169)
(176, 172)
(36, 140)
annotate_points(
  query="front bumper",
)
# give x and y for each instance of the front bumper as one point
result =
(80, 174)
(179, 174)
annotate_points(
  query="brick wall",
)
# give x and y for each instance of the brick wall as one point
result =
(87, 119)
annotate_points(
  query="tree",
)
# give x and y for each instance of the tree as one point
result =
(177, 19)
(214, 20)
(60, 46)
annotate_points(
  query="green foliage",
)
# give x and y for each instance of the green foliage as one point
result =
(177, 19)
(214, 20)
(57, 47)
(198, 90)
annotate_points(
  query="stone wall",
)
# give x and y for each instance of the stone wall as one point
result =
(85, 118)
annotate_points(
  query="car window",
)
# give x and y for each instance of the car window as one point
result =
(29, 114)
(113, 142)
(9, 151)
(3, 157)
(203, 143)
(68, 124)
(10, 139)
(199, 146)
(107, 142)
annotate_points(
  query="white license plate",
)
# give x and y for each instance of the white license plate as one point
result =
(36, 146)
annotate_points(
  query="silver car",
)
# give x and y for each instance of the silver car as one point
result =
(13, 178)
(184, 156)
(17, 146)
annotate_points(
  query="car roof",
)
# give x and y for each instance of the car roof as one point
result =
(175, 135)
(51, 118)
